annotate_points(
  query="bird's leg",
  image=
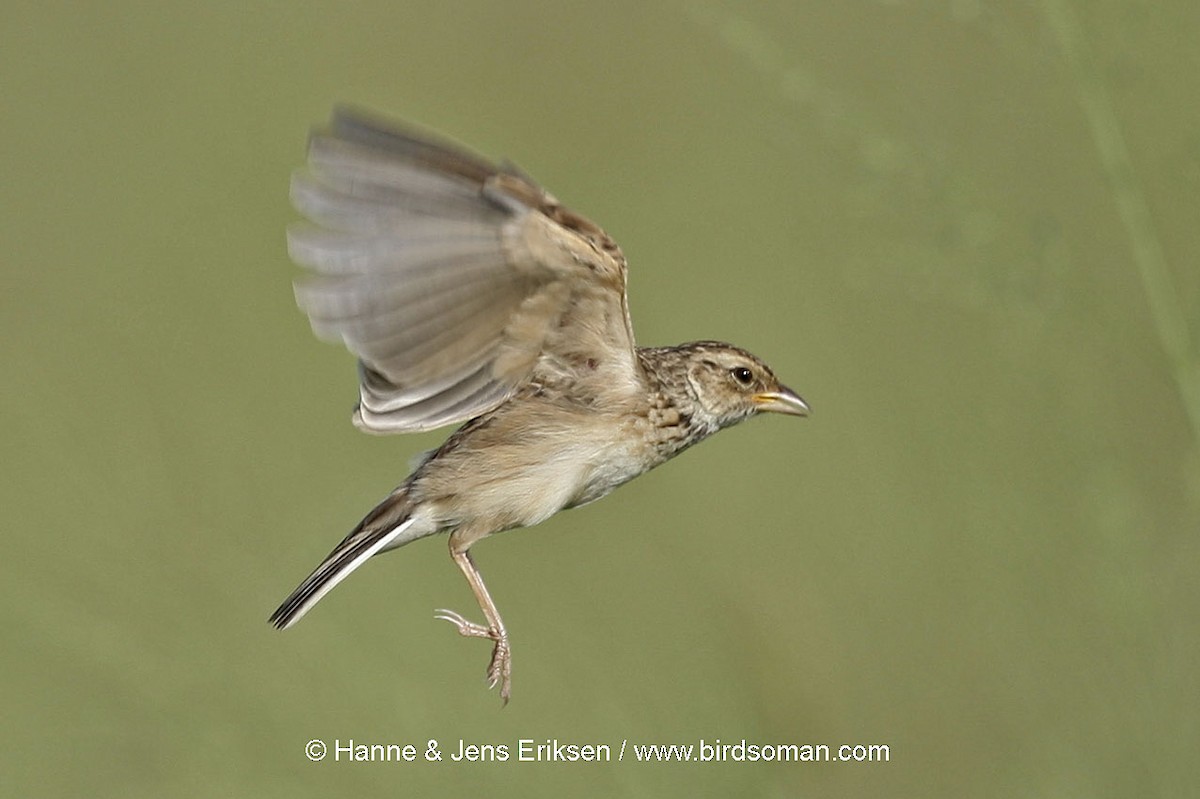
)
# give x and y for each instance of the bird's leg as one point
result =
(500, 669)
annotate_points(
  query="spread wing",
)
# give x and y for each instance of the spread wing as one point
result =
(453, 280)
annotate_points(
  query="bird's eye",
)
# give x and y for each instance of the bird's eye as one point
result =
(742, 375)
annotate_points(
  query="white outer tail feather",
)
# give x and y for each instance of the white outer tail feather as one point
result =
(330, 582)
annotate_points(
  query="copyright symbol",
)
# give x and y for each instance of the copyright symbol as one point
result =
(315, 749)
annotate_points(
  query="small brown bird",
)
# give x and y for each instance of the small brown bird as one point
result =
(470, 295)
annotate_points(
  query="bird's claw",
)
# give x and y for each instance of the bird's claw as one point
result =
(500, 669)
(467, 628)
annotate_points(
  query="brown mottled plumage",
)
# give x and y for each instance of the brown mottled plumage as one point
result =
(470, 295)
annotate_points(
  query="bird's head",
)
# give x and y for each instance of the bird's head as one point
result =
(730, 384)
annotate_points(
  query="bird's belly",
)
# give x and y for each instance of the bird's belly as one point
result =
(618, 466)
(521, 491)
(577, 476)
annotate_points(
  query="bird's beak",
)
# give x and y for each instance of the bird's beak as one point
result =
(782, 401)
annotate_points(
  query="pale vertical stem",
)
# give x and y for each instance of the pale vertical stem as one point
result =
(1170, 321)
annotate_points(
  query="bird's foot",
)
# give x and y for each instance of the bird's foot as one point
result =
(467, 628)
(500, 669)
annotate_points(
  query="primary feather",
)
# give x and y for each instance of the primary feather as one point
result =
(452, 279)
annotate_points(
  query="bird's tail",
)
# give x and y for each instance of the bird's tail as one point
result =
(391, 524)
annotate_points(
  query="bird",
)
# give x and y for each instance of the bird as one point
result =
(471, 296)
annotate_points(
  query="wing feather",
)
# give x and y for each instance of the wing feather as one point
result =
(453, 280)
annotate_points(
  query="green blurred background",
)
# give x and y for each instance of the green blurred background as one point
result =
(965, 231)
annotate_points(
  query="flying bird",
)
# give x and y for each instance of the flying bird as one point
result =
(472, 297)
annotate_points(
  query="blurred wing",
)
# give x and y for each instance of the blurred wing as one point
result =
(453, 280)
